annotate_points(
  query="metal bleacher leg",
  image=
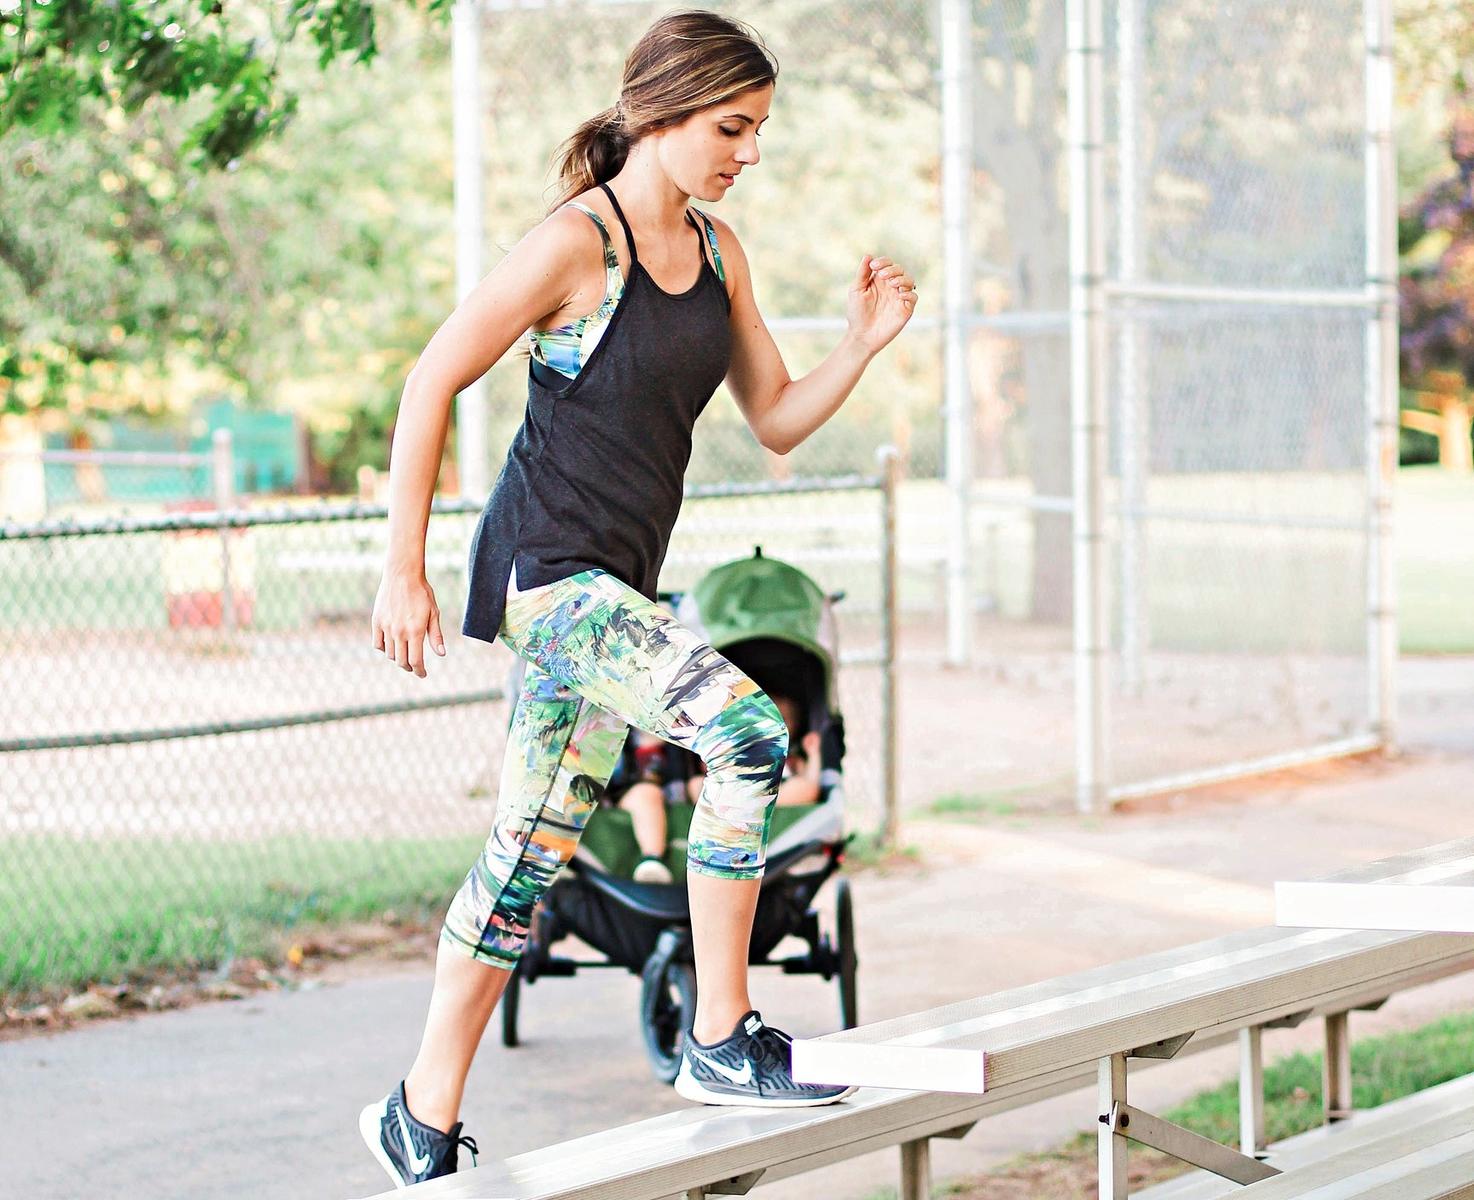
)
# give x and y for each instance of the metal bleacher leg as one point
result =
(916, 1169)
(1251, 1090)
(1336, 1075)
(1112, 1145)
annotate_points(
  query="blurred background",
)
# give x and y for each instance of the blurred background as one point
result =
(227, 232)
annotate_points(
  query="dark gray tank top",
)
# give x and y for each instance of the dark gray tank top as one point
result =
(595, 474)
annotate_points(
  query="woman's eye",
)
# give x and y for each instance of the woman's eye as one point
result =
(729, 132)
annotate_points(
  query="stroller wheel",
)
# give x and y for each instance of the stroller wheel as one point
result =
(667, 1009)
(510, 999)
(844, 949)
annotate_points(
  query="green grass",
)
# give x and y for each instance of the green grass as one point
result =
(996, 803)
(864, 851)
(83, 911)
(1209, 587)
(1383, 1069)
(1255, 589)
(88, 911)
(1434, 535)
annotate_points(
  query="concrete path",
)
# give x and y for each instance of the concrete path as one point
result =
(259, 1097)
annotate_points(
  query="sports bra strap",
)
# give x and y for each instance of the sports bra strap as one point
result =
(619, 212)
(711, 240)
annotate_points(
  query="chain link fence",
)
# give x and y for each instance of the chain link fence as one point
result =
(187, 762)
(182, 774)
(1237, 217)
(1238, 391)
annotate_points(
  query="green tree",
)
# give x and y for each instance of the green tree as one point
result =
(1435, 67)
(1436, 293)
(134, 278)
(56, 56)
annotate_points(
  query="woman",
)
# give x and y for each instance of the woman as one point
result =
(626, 350)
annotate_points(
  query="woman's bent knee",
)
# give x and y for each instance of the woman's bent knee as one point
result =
(729, 832)
(747, 743)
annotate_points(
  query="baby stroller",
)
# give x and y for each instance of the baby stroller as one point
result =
(775, 623)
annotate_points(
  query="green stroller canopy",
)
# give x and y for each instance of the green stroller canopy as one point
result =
(761, 597)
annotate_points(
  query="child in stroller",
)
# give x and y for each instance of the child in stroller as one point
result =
(652, 773)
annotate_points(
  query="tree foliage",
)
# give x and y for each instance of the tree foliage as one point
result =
(55, 55)
(1436, 238)
(133, 279)
(1435, 56)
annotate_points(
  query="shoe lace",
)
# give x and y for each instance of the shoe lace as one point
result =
(470, 1144)
(775, 1048)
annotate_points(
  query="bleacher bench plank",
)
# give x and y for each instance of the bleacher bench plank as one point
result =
(1391, 1120)
(1434, 1161)
(1041, 1039)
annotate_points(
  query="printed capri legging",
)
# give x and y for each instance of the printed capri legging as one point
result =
(601, 657)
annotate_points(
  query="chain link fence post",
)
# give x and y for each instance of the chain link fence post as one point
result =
(890, 466)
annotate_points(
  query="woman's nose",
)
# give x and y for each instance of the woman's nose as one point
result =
(749, 153)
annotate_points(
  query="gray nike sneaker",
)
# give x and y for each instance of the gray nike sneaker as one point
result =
(408, 1150)
(752, 1067)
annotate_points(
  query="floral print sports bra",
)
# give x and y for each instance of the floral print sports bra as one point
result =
(566, 348)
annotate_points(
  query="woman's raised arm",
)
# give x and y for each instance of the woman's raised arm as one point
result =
(782, 411)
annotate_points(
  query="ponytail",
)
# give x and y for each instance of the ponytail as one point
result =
(593, 155)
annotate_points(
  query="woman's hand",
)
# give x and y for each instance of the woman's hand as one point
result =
(880, 302)
(404, 613)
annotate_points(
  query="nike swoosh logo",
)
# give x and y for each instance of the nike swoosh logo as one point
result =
(418, 1163)
(741, 1077)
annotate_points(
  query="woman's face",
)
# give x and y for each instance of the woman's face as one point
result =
(706, 152)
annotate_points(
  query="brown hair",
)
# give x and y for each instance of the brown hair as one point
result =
(686, 61)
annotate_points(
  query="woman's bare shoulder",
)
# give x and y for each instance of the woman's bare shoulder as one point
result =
(564, 231)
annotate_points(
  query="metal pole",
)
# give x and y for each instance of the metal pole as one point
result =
(1203, 293)
(890, 463)
(916, 1169)
(1083, 31)
(1336, 1069)
(472, 464)
(1381, 372)
(1251, 1090)
(1111, 1147)
(956, 16)
(222, 469)
(1134, 414)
